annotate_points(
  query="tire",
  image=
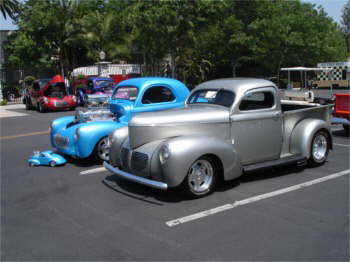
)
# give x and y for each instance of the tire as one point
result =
(40, 108)
(201, 178)
(31, 164)
(319, 148)
(52, 163)
(101, 152)
(28, 107)
(11, 97)
(346, 128)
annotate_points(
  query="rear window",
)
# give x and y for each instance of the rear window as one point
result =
(215, 96)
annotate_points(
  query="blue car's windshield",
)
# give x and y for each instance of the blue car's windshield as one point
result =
(126, 93)
(213, 96)
(103, 83)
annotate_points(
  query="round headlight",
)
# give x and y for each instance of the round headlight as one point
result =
(164, 154)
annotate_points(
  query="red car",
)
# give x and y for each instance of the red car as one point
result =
(341, 114)
(51, 96)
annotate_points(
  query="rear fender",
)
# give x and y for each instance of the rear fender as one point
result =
(93, 132)
(185, 150)
(303, 133)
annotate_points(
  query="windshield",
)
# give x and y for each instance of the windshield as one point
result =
(125, 92)
(214, 96)
(56, 90)
(103, 83)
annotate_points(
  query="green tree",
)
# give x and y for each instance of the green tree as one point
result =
(346, 23)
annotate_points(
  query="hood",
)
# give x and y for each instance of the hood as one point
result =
(193, 119)
(56, 79)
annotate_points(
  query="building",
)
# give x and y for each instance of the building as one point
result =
(339, 76)
(3, 38)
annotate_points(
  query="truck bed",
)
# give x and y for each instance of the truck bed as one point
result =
(293, 112)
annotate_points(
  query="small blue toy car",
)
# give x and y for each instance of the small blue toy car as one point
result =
(46, 158)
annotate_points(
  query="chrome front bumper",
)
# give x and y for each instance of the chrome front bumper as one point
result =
(137, 179)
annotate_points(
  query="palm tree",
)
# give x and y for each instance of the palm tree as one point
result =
(9, 7)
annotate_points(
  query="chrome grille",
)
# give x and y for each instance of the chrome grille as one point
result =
(139, 161)
(124, 156)
(60, 141)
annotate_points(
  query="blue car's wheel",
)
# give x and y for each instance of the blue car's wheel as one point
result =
(31, 164)
(102, 150)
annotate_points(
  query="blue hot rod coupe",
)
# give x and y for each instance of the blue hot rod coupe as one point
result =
(86, 133)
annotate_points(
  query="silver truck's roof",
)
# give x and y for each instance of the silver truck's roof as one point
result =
(233, 84)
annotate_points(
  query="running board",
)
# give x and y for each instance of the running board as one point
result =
(300, 160)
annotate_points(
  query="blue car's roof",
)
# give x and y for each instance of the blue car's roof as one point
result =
(47, 151)
(141, 82)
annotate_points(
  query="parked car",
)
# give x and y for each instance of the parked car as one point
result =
(95, 86)
(39, 84)
(228, 127)
(47, 158)
(86, 134)
(53, 95)
(342, 111)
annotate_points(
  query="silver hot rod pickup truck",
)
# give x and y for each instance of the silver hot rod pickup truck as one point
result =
(227, 127)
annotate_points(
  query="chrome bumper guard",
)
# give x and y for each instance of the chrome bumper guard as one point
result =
(137, 179)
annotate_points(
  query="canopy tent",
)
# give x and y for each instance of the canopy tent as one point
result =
(303, 72)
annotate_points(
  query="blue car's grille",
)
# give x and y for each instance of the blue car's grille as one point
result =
(60, 141)
(139, 161)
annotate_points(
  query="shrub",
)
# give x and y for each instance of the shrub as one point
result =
(81, 77)
(29, 80)
(3, 102)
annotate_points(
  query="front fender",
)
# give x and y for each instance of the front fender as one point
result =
(116, 139)
(303, 133)
(91, 133)
(58, 124)
(184, 150)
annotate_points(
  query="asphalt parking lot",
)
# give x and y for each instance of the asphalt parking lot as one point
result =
(81, 212)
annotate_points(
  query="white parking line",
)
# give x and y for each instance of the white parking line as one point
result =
(246, 201)
(341, 145)
(92, 171)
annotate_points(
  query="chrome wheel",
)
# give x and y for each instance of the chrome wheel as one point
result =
(103, 149)
(200, 176)
(319, 148)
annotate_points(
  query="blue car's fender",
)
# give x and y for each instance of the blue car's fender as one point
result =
(34, 161)
(58, 124)
(91, 133)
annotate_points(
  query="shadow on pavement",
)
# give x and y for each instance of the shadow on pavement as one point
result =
(340, 133)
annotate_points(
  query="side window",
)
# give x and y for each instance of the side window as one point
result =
(257, 100)
(157, 94)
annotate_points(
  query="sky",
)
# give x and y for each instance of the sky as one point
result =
(332, 7)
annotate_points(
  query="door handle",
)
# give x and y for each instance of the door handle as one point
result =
(277, 114)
